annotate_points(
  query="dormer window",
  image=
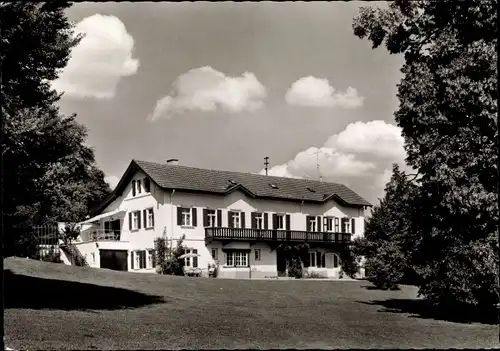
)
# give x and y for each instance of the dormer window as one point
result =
(274, 186)
(311, 190)
(232, 182)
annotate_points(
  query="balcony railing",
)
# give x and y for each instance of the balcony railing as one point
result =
(219, 233)
(104, 235)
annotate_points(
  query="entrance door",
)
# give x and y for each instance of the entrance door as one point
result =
(114, 259)
(281, 264)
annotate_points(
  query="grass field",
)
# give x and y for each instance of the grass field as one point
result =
(53, 306)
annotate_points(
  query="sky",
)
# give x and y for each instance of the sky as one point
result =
(223, 85)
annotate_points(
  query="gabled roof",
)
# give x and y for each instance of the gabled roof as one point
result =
(201, 180)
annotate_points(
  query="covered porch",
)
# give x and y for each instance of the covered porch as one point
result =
(104, 227)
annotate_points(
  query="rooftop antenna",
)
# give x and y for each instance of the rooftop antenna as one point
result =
(317, 165)
(266, 163)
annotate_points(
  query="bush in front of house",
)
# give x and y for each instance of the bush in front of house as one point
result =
(167, 257)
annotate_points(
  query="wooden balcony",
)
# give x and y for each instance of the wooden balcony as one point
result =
(246, 234)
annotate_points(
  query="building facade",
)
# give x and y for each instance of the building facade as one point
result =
(236, 219)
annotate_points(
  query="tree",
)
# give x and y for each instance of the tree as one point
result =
(389, 241)
(447, 112)
(49, 174)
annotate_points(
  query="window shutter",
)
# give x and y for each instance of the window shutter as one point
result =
(179, 215)
(106, 226)
(266, 221)
(308, 223)
(275, 221)
(230, 223)
(153, 253)
(323, 261)
(194, 211)
(130, 221)
(225, 258)
(138, 219)
(318, 259)
(145, 215)
(205, 217)
(242, 219)
(287, 222)
(143, 259)
(152, 217)
(342, 225)
(131, 259)
(253, 220)
(325, 226)
(133, 188)
(353, 226)
(147, 185)
(219, 218)
(318, 224)
(195, 259)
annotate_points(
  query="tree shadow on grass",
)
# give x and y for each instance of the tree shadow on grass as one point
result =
(28, 292)
(373, 287)
(423, 309)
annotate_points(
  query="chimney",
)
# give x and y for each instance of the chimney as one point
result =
(173, 161)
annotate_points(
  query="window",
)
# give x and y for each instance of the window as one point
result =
(136, 220)
(186, 217)
(237, 258)
(312, 259)
(149, 218)
(259, 221)
(151, 259)
(337, 229)
(191, 261)
(280, 221)
(93, 257)
(257, 254)
(347, 225)
(147, 185)
(329, 224)
(215, 254)
(211, 218)
(138, 185)
(236, 219)
(140, 259)
(311, 224)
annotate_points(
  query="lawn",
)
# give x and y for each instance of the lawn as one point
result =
(53, 306)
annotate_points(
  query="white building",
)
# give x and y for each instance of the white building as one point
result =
(237, 219)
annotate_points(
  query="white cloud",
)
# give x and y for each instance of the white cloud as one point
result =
(207, 89)
(360, 157)
(101, 58)
(112, 181)
(375, 137)
(315, 92)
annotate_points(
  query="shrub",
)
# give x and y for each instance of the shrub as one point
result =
(167, 257)
(315, 275)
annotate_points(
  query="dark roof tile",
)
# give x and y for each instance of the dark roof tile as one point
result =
(215, 181)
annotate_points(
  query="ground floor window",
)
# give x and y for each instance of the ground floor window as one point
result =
(143, 259)
(236, 258)
(191, 261)
(317, 259)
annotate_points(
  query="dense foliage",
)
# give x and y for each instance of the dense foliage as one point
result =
(167, 256)
(448, 116)
(388, 242)
(49, 174)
